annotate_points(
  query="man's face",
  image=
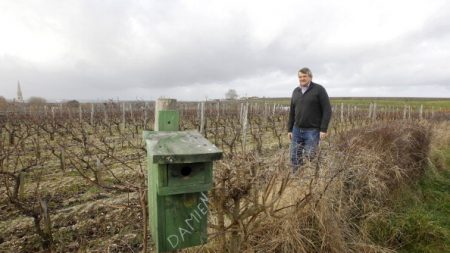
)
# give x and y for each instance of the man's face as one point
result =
(304, 79)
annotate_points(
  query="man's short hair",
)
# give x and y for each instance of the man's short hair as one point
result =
(305, 71)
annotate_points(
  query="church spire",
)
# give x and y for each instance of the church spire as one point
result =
(19, 93)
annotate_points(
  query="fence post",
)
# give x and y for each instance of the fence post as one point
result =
(374, 112)
(404, 111)
(69, 111)
(218, 111)
(123, 115)
(105, 113)
(244, 126)
(421, 112)
(80, 114)
(240, 113)
(92, 114)
(199, 111)
(145, 115)
(131, 113)
(202, 118)
(53, 113)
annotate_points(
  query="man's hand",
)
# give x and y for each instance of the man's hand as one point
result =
(290, 136)
(323, 135)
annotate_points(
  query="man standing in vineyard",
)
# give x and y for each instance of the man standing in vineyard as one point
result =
(309, 115)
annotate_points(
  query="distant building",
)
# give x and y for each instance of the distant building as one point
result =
(19, 93)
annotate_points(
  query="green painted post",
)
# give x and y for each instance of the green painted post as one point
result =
(167, 118)
(179, 176)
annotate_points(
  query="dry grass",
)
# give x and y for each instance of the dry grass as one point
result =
(327, 206)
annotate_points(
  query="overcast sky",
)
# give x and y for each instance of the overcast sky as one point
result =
(190, 50)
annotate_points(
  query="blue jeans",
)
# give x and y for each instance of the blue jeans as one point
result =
(304, 144)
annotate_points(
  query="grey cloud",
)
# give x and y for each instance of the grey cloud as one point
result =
(159, 47)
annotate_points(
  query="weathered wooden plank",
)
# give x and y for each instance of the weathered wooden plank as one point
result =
(180, 147)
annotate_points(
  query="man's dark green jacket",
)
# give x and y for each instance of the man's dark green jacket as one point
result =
(310, 110)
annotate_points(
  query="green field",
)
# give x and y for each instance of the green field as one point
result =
(414, 102)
